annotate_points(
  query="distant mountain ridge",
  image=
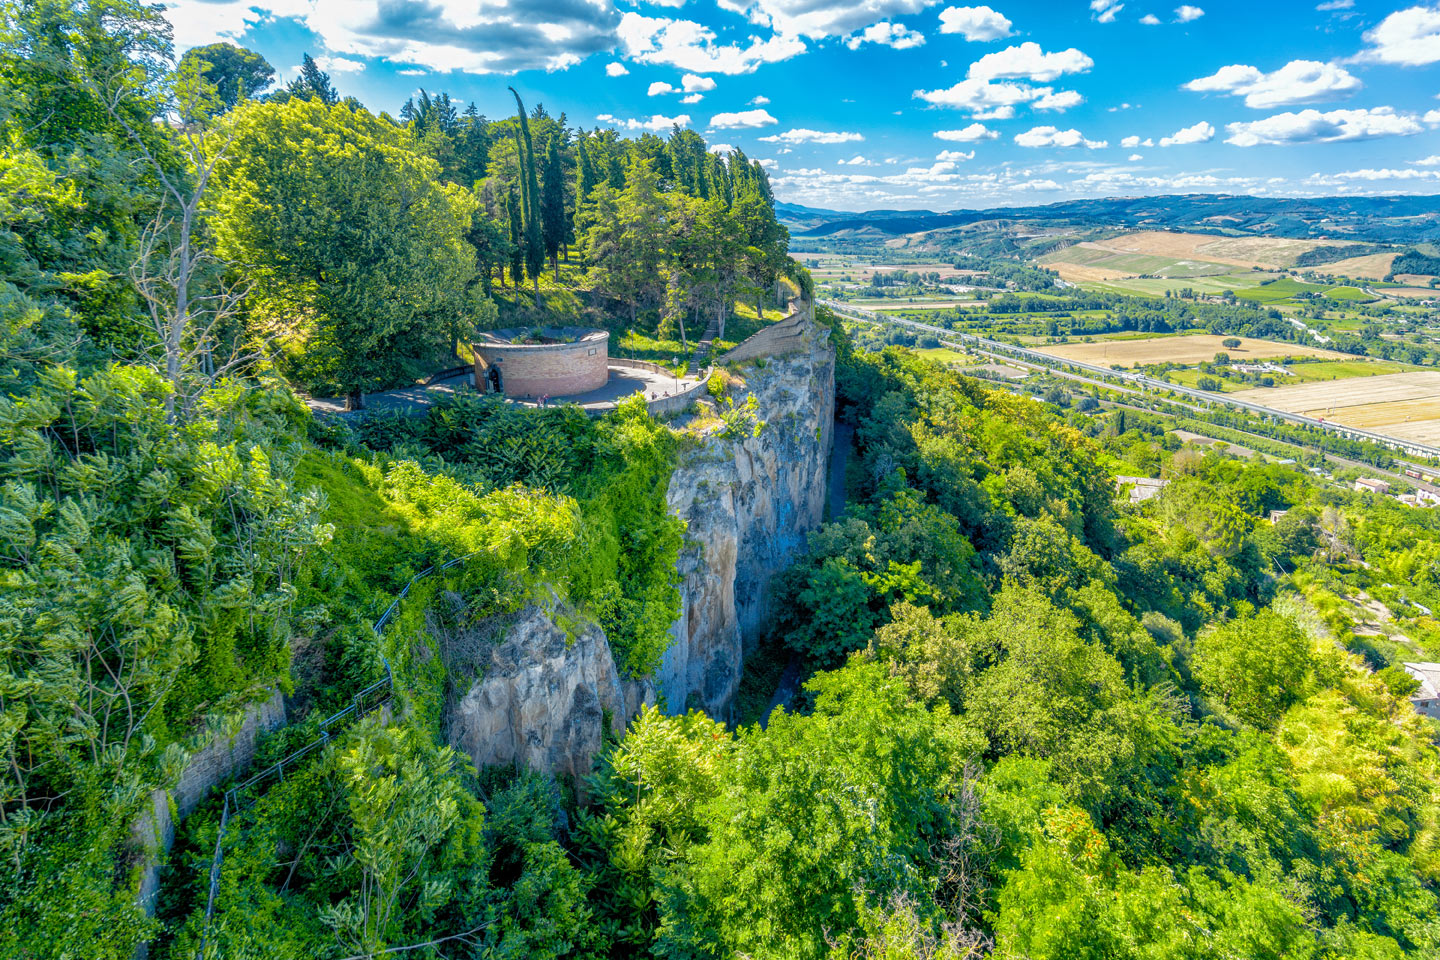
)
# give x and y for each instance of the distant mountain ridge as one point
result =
(1401, 220)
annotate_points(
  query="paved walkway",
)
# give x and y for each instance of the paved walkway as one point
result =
(417, 399)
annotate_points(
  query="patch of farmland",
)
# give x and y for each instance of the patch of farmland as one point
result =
(1235, 251)
(1237, 280)
(1182, 350)
(1282, 289)
(1376, 266)
(1115, 264)
(1401, 405)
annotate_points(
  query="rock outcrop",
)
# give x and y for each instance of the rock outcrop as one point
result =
(228, 753)
(541, 694)
(748, 505)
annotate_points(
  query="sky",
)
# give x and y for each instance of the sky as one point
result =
(919, 104)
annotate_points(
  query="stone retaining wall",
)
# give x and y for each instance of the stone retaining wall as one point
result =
(545, 369)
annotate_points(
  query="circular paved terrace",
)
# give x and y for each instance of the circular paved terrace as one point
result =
(623, 381)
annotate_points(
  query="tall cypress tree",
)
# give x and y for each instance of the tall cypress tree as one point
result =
(585, 172)
(530, 197)
(517, 238)
(553, 214)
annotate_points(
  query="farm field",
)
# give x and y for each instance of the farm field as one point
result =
(1375, 266)
(1182, 349)
(1282, 289)
(1401, 405)
(1234, 251)
(1157, 286)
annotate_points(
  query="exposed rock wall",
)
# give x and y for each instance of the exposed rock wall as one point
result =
(226, 755)
(748, 505)
(541, 694)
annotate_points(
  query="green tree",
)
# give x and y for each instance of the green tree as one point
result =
(1255, 666)
(553, 211)
(236, 72)
(516, 237)
(357, 254)
(312, 84)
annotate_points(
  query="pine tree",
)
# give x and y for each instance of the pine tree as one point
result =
(553, 214)
(312, 84)
(615, 173)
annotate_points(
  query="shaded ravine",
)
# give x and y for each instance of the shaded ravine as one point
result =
(791, 677)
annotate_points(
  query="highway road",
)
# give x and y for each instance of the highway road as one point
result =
(1035, 357)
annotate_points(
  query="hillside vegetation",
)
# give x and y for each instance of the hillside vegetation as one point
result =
(1035, 720)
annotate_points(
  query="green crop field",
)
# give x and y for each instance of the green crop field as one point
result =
(1235, 280)
(1348, 293)
(1344, 370)
(1282, 289)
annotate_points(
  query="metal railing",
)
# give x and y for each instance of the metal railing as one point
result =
(372, 697)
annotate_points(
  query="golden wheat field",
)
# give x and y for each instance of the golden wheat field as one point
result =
(1233, 251)
(1401, 405)
(1373, 267)
(1183, 350)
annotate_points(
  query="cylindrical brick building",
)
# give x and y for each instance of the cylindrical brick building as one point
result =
(542, 362)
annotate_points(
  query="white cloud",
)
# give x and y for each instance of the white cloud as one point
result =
(1150, 20)
(1135, 156)
(975, 23)
(1432, 161)
(1201, 132)
(1409, 38)
(722, 148)
(1312, 126)
(834, 18)
(1185, 13)
(1130, 143)
(856, 161)
(996, 101)
(1432, 116)
(1029, 61)
(615, 70)
(887, 34)
(981, 98)
(198, 22)
(412, 73)
(656, 123)
(1053, 137)
(693, 98)
(691, 46)
(691, 83)
(1063, 100)
(333, 64)
(659, 87)
(744, 119)
(1335, 5)
(759, 101)
(970, 134)
(1388, 174)
(496, 37)
(802, 135)
(1299, 81)
(1106, 10)
(952, 156)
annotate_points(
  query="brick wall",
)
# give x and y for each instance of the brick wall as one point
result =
(551, 369)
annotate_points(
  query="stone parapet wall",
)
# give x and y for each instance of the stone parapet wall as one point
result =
(545, 369)
(787, 335)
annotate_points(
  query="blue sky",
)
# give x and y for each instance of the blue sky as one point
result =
(861, 104)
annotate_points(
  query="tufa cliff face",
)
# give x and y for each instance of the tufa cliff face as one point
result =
(748, 505)
(542, 694)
